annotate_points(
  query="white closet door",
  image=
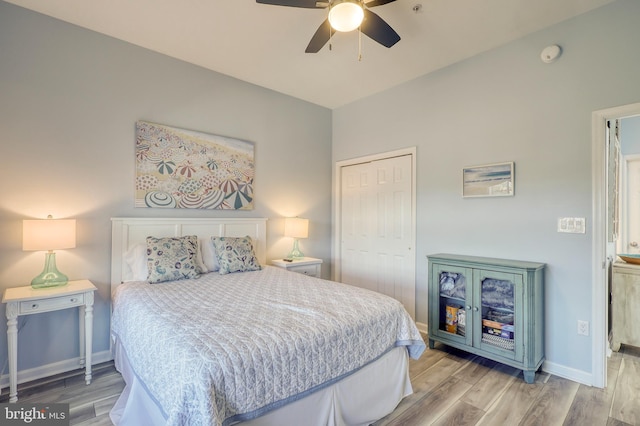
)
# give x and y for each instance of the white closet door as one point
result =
(376, 218)
(356, 225)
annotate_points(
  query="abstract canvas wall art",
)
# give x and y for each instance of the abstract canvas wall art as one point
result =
(178, 168)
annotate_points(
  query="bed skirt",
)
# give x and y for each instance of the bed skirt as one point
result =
(359, 399)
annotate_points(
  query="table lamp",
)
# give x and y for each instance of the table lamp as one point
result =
(49, 234)
(296, 228)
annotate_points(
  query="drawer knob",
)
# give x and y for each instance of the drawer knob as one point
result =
(34, 306)
(74, 300)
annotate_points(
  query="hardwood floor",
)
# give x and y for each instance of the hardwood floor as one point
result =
(88, 405)
(450, 387)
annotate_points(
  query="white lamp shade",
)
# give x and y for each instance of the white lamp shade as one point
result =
(295, 227)
(346, 16)
(48, 234)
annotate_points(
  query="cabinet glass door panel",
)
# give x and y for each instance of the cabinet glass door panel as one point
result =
(498, 300)
(454, 298)
(497, 313)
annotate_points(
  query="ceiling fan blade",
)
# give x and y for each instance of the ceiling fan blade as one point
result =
(309, 4)
(320, 38)
(375, 3)
(377, 29)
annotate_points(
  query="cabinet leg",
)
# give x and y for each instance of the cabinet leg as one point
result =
(12, 343)
(82, 334)
(529, 376)
(615, 346)
(88, 338)
(432, 344)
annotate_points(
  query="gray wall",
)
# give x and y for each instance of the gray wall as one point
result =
(69, 100)
(507, 105)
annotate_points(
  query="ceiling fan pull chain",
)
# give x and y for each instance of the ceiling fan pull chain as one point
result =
(360, 37)
(330, 28)
(330, 36)
(359, 44)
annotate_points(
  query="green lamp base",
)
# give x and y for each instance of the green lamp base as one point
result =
(50, 276)
(295, 251)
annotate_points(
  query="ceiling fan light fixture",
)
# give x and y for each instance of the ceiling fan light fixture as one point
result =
(346, 16)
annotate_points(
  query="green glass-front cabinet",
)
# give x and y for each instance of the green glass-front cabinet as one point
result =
(490, 307)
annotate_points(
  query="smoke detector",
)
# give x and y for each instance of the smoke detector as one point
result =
(550, 53)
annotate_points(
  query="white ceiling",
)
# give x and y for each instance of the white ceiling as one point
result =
(264, 44)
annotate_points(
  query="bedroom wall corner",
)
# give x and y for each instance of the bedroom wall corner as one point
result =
(70, 100)
(507, 105)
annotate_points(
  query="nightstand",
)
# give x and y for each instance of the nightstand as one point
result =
(27, 301)
(305, 265)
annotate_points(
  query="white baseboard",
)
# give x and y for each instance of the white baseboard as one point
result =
(579, 376)
(54, 368)
(422, 327)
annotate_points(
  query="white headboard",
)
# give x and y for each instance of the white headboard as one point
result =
(127, 231)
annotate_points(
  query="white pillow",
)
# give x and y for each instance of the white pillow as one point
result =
(209, 256)
(136, 258)
(199, 259)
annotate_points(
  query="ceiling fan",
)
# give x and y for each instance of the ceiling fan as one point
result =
(345, 16)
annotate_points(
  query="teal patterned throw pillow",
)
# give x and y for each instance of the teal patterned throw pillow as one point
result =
(170, 259)
(235, 254)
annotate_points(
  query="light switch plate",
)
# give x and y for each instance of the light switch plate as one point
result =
(572, 225)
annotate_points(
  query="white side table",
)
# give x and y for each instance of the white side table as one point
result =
(304, 265)
(27, 301)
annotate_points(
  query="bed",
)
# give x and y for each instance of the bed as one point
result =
(247, 344)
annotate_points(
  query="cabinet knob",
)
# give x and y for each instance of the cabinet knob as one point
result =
(34, 306)
(468, 308)
(475, 309)
(633, 244)
(74, 300)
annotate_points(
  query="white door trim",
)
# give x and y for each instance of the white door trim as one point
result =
(336, 271)
(599, 299)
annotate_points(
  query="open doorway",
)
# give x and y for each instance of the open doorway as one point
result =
(603, 248)
(629, 177)
(624, 279)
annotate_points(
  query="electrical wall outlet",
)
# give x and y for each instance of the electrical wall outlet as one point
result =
(583, 328)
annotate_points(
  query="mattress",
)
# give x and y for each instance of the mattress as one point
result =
(227, 348)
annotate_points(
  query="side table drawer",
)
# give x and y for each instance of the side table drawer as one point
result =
(55, 303)
(311, 270)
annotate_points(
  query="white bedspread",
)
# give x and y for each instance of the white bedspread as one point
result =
(232, 347)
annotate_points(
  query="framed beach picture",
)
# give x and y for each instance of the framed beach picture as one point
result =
(489, 180)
